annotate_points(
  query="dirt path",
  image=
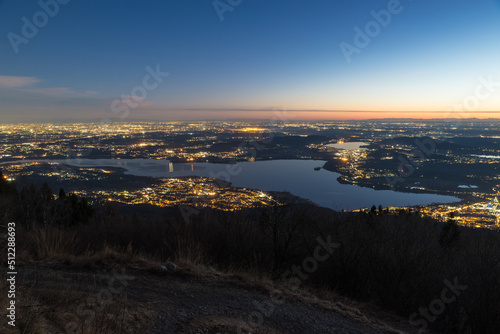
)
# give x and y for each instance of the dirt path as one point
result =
(182, 303)
(191, 307)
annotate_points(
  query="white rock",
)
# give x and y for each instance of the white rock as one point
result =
(172, 266)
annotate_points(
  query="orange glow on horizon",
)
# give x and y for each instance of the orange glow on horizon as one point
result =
(363, 115)
(288, 113)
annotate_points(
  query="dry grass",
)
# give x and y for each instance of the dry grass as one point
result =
(225, 325)
(41, 243)
(190, 253)
(66, 308)
(53, 309)
(396, 261)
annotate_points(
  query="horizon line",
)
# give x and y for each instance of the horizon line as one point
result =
(136, 120)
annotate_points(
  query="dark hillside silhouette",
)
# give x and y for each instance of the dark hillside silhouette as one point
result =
(399, 261)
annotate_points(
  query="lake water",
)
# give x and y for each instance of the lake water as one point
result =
(298, 177)
(355, 145)
(486, 156)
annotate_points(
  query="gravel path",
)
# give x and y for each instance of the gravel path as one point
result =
(183, 303)
(196, 309)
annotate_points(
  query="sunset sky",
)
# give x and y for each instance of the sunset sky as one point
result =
(248, 59)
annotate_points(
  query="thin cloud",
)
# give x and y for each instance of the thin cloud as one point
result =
(16, 81)
(59, 92)
(26, 85)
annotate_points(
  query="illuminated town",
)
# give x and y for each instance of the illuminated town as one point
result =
(479, 215)
(376, 153)
(105, 184)
(198, 192)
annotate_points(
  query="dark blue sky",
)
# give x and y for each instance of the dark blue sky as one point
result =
(263, 55)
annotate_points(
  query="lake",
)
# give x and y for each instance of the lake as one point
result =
(486, 156)
(298, 177)
(354, 145)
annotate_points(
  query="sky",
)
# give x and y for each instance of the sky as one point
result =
(69, 60)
